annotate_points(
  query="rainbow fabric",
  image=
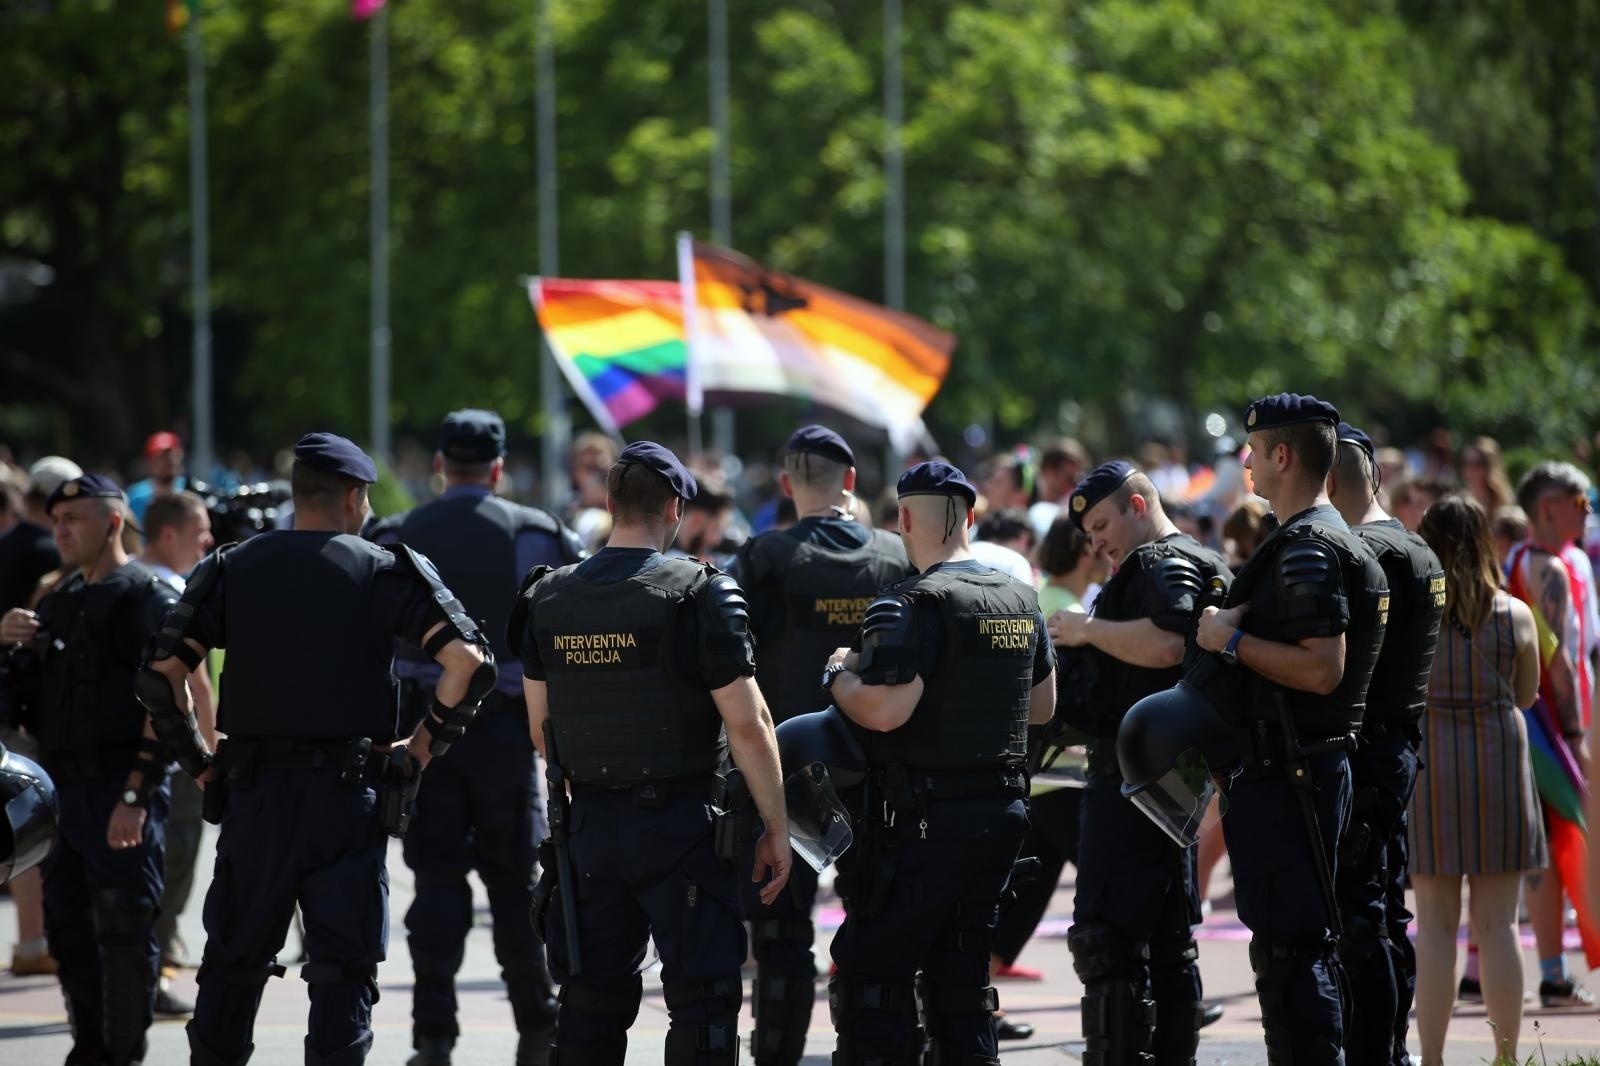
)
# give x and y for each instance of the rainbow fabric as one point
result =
(1555, 771)
(620, 344)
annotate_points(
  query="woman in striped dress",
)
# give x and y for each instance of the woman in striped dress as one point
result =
(1475, 813)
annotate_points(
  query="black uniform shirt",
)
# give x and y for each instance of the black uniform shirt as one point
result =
(401, 605)
(27, 553)
(765, 595)
(717, 663)
(930, 630)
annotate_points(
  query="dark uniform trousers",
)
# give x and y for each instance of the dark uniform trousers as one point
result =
(1377, 954)
(185, 830)
(1053, 835)
(647, 870)
(475, 810)
(294, 835)
(100, 907)
(935, 915)
(781, 936)
(1300, 981)
(1133, 920)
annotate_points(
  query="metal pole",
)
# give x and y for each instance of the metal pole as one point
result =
(721, 181)
(557, 426)
(380, 232)
(202, 445)
(894, 198)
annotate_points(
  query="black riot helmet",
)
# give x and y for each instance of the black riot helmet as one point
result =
(28, 802)
(820, 756)
(1171, 747)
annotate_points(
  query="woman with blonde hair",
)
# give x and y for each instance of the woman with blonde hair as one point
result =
(1475, 813)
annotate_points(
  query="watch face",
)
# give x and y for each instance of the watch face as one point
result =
(130, 797)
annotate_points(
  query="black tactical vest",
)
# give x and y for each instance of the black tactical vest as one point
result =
(1365, 591)
(1398, 693)
(823, 593)
(623, 709)
(307, 656)
(90, 653)
(472, 540)
(973, 714)
(1119, 685)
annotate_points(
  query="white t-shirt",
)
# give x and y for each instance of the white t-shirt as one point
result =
(1004, 559)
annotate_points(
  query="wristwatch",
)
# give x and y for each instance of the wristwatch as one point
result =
(133, 797)
(1230, 654)
(829, 673)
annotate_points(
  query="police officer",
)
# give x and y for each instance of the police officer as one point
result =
(1298, 637)
(308, 617)
(1138, 900)
(808, 587)
(103, 881)
(633, 663)
(481, 808)
(1377, 954)
(954, 665)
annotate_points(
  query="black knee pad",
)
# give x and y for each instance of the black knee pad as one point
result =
(765, 931)
(705, 1021)
(782, 1005)
(122, 916)
(322, 973)
(1099, 952)
(616, 1000)
(848, 997)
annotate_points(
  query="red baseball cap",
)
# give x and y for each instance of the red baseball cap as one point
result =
(164, 441)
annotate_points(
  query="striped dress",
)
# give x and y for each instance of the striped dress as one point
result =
(1475, 810)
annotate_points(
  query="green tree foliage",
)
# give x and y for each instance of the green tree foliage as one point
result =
(1391, 202)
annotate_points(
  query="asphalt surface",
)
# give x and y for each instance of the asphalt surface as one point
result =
(33, 1022)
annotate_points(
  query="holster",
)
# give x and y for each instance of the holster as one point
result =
(735, 820)
(397, 792)
(544, 891)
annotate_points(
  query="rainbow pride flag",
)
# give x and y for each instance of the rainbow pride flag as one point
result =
(620, 344)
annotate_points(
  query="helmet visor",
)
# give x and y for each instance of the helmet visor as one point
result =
(819, 827)
(1181, 801)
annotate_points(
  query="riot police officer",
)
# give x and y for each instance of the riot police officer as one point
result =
(314, 770)
(1298, 636)
(954, 665)
(1138, 901)
(808, 587)
(481, 808)
(1377, 954)
(633, 663)
(103, 881)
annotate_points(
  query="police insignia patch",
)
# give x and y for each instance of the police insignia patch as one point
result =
(71, 488)
(1078, 504)
(1251, 419)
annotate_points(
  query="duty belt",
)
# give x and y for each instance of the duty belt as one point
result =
(240, 759)
(650, 794)
(1262, 750)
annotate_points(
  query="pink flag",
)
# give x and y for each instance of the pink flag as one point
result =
(361, 10)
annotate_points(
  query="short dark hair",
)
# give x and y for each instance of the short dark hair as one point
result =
(171, 510)
(1006, 524)
(1063, 548)
(1062, 451)
(1547, 477)
(1353, 464)
(317, 488)
(1313, 444)
(713, 497)
(636, 492)
(1137, 483)
(456, 470)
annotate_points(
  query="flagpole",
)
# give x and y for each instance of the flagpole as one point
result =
(894, 213)
(202, 444)
(721, 179)
(557, 426)
(379, 224)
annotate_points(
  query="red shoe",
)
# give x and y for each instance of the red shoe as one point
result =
(1016, 973)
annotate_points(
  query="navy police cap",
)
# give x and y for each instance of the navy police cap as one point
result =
(1101, 482)
(1288, 409)
(820, 440)
(653, 456)
(85, 486)
(472, 436)
(936, 478)
(1352, 435)
(336, 455)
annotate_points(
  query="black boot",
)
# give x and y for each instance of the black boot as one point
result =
(431, 1051)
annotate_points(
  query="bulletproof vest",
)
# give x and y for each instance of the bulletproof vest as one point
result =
(1119, 685)
(472, 540)
(1398, 693)
(623, 707)
(307, 655)
(824, 593)
(1364, 590)
(973, 714)
(90, 654)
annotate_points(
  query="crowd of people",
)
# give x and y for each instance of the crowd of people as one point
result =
(1478, 777)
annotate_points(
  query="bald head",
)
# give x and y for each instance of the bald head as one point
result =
(1352, 484)
(934, 527)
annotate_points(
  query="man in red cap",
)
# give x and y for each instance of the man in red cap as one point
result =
(163, 457)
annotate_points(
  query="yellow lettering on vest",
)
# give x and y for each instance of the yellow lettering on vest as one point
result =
(841, 610)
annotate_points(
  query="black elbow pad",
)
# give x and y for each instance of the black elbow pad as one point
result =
(889, 642)
(176, 729)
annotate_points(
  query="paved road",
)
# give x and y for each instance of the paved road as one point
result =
(33, 1030)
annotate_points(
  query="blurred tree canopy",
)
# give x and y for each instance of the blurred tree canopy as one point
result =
(1392, 203)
